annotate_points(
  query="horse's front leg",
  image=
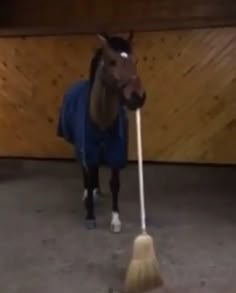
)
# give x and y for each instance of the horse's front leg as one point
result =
(115, 189)
(90, 220)
(95, 183)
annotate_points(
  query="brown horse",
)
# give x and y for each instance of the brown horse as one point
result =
(96, 120)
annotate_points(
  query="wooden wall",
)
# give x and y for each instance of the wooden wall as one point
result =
(190, 77)
(90, 16)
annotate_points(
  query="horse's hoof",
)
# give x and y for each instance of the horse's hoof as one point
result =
(115, 223)
(90, 224)
(115, 228)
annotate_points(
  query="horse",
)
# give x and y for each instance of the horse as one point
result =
(93, 118)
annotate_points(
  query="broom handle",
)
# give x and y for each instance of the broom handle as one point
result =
(140, 169)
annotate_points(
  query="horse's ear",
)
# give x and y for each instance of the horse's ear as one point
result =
(103, 38)
(131, 37)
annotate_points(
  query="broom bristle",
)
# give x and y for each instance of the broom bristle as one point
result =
(143, 272)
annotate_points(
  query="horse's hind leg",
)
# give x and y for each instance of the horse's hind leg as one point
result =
(90, 221)
(115, 189)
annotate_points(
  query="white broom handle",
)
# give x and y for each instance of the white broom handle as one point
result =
(140, 169)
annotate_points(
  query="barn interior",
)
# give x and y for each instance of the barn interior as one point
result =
(186, 56)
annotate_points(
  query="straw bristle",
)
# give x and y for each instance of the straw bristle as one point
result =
(143, 272)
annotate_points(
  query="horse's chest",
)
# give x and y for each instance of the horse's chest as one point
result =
(104, 111)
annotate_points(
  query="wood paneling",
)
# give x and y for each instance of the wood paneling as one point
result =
(190, 77)
(191, 80)
(90, 16)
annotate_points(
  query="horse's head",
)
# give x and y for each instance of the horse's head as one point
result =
(118, 66)
(113, 77)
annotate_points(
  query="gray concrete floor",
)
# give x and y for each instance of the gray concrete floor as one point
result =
(44, 247)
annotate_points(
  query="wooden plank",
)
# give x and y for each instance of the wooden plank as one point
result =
(190, 77)
(87, 28)
(53, 17)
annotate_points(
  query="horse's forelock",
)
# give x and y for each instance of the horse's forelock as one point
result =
(119, 44)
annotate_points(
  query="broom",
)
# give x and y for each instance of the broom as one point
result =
(143, 272)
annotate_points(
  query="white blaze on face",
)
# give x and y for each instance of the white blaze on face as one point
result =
(124, 55)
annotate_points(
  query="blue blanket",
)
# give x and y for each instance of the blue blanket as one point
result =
(92, 146)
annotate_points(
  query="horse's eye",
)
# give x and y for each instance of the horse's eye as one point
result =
(113, 62)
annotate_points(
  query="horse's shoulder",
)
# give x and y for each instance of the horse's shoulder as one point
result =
(77, 88)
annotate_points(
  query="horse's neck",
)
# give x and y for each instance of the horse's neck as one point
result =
(104, 104)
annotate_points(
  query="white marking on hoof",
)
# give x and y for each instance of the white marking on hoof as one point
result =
(95, 194)
(115, 223)
(85, 195)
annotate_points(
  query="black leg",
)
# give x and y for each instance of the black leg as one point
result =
(95, 178)
(85, 177)
(115, 189)
(96, 182)
(89, 202)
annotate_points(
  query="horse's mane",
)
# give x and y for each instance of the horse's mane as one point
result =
(118, 44)
(94, 65)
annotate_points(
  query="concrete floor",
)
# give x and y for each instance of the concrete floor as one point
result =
(44, 247)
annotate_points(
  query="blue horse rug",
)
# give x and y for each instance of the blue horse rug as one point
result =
(93, 147)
